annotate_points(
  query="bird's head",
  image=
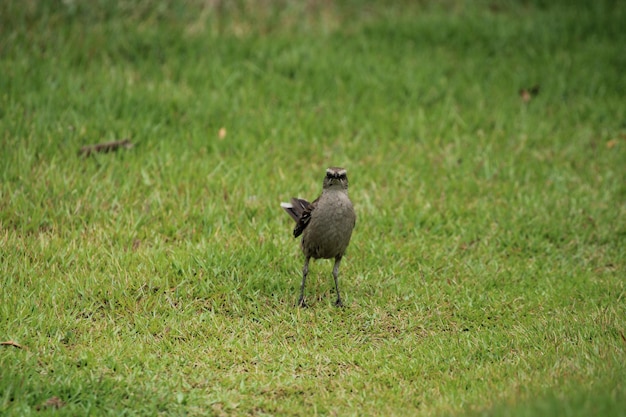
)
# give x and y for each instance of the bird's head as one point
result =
(336, 178)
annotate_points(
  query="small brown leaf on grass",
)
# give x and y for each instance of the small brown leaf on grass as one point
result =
(52, 402)
(468, 245)
(611, 144)
(528, 93)
(87, 150)
(218, 409)
(221, 133)
(11, 343)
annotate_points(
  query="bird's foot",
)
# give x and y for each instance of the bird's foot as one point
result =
(339, 303)
(301, 303)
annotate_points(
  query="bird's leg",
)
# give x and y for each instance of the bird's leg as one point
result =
(338, 303)
(305, 272)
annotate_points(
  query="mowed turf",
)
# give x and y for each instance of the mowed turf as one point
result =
(485, 144)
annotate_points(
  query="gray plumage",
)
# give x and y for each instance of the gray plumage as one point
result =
(325, 225)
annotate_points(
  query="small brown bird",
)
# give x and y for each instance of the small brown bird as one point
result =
(325, 225)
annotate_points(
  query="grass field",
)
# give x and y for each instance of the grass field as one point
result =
(486, 274)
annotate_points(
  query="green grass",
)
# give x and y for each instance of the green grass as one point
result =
(486, 271)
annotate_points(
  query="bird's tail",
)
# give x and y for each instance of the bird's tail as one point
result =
(295, 208)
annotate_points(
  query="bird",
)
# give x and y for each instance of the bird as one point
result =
(326, 225)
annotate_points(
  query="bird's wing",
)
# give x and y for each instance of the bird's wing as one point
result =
(304, 210)
(291, 210)
(295, 208)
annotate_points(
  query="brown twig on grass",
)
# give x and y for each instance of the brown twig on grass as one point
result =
(11, 343)
(87, 150)
(52, 402)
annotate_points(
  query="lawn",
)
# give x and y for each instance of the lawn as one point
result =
(485, 144)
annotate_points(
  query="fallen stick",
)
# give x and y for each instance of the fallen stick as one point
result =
(87, 150)
(11, 343)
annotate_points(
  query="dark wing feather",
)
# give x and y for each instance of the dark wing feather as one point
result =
(304, 210)
(300, 210)
(295, 208)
